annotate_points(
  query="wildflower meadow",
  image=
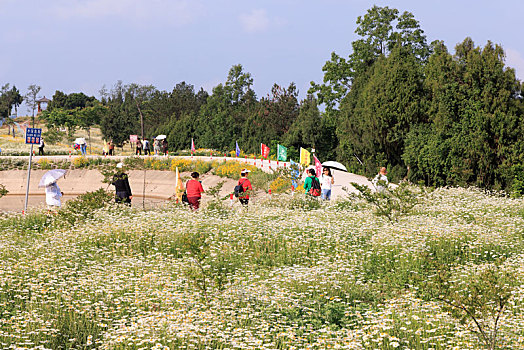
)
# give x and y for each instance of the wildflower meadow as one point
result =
(448, 274)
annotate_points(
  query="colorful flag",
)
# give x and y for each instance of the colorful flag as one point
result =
(318, 166)
(179, 186)
(305, 158)
(192, 146)
(237, 153)
(295, 173)
(281, 153)
(264, 150)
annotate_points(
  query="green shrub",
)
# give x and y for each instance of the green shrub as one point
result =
(84, 206)
(53, 136)
(3, 191)
(517, 186)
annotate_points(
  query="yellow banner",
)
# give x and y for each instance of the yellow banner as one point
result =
(305, 158)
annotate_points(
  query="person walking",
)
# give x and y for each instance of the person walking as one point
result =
(41, 147)
(122, 188)
(312, 184)
(381, 181)
(83, 148)
(111, 148)
(53, 196)
(145, 147)
(246, 186)
(156, 147)
(165, 147)
(194, 191)
(138, 147)
(105, 148)
(326, 182)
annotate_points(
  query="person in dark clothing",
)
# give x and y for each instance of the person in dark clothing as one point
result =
(139, 147)
(41, 147)
(121, 183)
(165, 147)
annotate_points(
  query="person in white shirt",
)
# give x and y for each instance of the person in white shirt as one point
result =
(381, 180)
(53, 195)
(326, 182)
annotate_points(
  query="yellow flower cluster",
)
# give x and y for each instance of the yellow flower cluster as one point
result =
(156, 163)
(232, 169)
(80, 162)
(180, 163)
(280, 185)
(45, 163)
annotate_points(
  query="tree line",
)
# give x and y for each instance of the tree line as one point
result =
(428, 114)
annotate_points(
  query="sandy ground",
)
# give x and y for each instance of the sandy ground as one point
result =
(159, 185)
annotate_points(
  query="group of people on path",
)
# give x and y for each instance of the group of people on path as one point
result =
(313, 186)
(160, 147)
(109, 148)
(194, 189)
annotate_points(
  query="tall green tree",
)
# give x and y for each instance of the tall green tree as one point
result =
(273, 118)
(379, 111)
(380, 30)
(31, 97)
(122, 117)
(474, 133)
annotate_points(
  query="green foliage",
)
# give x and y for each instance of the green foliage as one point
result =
(517, 187)
(296, 201)
(380, 30)
(53, 135)
(3, 191)
(480, 296)
(83, 207)
(393, 202)
(380, 110)
(31, 223)
(9, 98)
(473, 134)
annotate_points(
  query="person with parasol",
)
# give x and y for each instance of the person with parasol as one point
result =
(53, 194)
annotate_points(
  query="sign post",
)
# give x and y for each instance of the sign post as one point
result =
(32, 137)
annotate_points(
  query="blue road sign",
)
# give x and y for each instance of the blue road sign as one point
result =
(33, 135)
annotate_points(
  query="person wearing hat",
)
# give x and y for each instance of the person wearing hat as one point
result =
(121, 183)
(246, 186)
(381, 180)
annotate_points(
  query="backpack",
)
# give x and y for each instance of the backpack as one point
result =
(315, 187)
(239, 189)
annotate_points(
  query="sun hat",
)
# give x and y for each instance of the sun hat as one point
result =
(245, 171)
(120, 165)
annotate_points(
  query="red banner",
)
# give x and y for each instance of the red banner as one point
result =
(264, 150)
(318, 166)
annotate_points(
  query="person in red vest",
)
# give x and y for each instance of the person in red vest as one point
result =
(194, 191)
(246, 185)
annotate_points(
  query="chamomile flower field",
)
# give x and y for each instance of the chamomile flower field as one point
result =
(447, 275)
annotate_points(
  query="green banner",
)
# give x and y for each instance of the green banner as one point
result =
(281, 153)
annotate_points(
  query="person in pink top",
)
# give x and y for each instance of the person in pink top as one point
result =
(194, 191)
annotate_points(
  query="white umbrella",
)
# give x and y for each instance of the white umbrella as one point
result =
(80, 140)
(334, 165)
(51, 176)
(161, 137)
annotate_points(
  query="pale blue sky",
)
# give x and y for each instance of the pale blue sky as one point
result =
(80, 45)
